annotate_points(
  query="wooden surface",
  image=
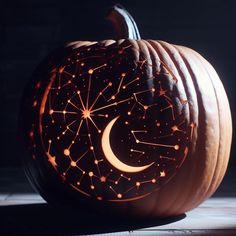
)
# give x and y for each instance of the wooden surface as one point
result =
(24, 212)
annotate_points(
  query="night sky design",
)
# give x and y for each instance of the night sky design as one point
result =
(93, 86)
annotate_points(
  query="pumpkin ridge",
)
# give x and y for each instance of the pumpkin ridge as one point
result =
(168, 47)
(135, 47)
(200, 122)
(198, 97)
(204, 112)
(145, 56)
(206, 192)
(158, 63)
(77, 44)
(228, 133)
(173, 199)
(218, 176)
(164, 45)
(218, 162)
(141, 46)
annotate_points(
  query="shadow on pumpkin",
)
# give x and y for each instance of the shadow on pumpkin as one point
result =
(42, 219)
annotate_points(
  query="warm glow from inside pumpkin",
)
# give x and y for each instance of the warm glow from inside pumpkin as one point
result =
(110, 131)
(110, 156)
(86, 114)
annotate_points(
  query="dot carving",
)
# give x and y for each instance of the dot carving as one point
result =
(109, 129)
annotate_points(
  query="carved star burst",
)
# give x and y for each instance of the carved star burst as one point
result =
(94, 85)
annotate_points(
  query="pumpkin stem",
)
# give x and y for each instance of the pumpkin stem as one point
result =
(123, 22)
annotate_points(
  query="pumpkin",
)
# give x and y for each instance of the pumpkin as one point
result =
(138, 127)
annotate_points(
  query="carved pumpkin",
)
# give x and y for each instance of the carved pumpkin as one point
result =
(138, 126)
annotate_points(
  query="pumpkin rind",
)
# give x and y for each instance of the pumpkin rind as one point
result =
(203, 171)
(192, 81)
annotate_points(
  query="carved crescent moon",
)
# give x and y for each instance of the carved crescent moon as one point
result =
(111, 157)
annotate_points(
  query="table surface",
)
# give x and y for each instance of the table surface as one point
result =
(24, 212)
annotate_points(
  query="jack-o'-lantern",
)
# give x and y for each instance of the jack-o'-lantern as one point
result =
(139, 126)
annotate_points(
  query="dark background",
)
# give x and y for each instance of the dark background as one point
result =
(30, 29)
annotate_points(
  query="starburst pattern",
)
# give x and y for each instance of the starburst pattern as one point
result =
(87, 90)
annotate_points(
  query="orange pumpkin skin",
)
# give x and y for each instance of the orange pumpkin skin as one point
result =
(204, 169)
(193, 82)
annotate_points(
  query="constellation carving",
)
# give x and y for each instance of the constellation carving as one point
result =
(109, 130)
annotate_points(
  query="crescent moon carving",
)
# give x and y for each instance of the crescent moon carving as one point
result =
(111, 157)
(79, 110)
